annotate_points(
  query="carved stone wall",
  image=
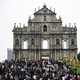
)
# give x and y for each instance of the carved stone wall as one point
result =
(50, 29)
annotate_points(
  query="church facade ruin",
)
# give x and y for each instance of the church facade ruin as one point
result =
(44, 37)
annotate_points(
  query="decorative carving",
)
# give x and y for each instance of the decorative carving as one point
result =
(45, 26)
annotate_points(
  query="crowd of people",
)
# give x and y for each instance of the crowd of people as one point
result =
(36, 70)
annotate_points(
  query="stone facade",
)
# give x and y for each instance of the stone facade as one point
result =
(61, 40)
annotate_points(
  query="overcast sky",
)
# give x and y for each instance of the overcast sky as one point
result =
(12, 11)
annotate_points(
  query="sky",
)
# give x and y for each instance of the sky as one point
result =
(18, 11)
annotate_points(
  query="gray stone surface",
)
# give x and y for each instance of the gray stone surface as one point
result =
(36, 32)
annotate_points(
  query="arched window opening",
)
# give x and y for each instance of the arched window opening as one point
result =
(57, 42)
(45, 44)
(17, 42)
(32, 42)
(44, 18)
(65, 44)
(72, 41)
(25, 44)
(45, 28)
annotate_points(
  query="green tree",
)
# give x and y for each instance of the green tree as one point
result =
(78, 56)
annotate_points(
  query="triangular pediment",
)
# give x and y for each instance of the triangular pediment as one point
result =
(44, 11)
